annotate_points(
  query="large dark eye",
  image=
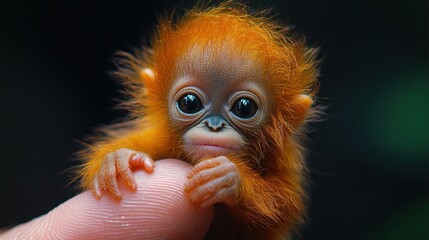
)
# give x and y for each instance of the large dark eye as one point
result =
(189, 104)
(244, 108)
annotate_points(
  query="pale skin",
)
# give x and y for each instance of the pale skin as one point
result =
(140, 215)
(213, 117)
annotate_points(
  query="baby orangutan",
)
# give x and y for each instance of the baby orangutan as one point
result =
(227, 92)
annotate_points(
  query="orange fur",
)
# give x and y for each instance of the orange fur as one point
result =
(272, 197)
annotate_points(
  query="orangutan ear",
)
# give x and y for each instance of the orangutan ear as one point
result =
(301, 106)
(148, 76)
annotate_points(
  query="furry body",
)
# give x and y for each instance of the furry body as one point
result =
(222, 43)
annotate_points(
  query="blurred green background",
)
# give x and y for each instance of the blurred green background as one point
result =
(369, 157)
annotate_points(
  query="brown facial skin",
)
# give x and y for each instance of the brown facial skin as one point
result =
(213, 115)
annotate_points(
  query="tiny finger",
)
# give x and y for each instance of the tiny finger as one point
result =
(206, 164)
(210, 188)
(198, 180)
(110, 178)
(224, 195)
(142, 160)
(206, 175)
(148, 164)
(113, 188)
(126, 174)
(96, 187)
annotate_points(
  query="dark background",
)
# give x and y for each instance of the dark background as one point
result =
(369, 158)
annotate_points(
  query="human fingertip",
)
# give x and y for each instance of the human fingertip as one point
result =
(140, 214)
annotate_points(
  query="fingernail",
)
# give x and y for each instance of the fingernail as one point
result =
(97, 196)
(149, 164)
(133, 185)
(118, 197)
(186, 188)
